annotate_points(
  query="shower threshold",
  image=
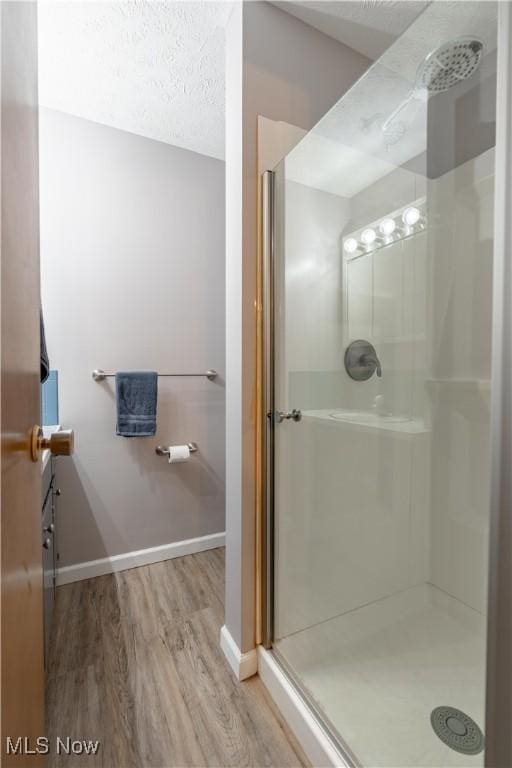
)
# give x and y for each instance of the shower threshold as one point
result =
(375, 674)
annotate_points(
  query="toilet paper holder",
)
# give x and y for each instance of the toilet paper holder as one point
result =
(161, 451)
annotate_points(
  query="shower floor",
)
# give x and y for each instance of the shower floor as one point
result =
(378, 671)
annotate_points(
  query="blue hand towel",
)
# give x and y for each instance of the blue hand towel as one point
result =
(136, 393)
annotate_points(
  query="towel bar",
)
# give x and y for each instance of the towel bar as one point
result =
(99, 375)
(161, 451)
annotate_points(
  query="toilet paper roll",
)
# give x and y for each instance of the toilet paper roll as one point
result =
(178, 453)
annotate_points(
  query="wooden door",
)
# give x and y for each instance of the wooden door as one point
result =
(22, 709)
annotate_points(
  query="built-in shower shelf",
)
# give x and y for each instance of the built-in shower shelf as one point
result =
(368, 421)
(481, 384)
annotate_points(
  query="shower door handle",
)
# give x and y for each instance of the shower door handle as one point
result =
(294, 415)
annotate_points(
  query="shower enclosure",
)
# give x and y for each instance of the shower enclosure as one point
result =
(380, 230)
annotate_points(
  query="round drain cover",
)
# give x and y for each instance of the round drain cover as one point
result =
(457, 730)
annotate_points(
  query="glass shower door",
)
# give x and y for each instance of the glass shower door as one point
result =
(382, 338)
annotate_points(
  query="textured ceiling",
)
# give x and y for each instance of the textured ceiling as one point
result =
(369, 26)
(151, 68)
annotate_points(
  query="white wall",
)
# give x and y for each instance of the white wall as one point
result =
(132, 251)
(460, 332)
(312, 352)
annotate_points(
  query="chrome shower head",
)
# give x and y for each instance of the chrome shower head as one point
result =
(449, 64)
(443, 68)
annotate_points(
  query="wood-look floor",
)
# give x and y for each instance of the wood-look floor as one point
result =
(135, 662)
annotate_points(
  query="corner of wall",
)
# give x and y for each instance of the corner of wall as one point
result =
(234, 85)
(244, 665)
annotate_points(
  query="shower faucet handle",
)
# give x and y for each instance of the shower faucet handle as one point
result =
(294, 415)
(361, 360)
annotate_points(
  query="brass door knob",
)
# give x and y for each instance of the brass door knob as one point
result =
(60, 443)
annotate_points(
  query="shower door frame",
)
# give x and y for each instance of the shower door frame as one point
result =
(267, 411)
(498, 750)
(498, 709)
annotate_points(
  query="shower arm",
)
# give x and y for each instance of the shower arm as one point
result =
(414, 94)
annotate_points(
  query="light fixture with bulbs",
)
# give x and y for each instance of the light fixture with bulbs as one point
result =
(350, 245)
(368, 236)
(387, 227)
(411, 216)
(398, 225)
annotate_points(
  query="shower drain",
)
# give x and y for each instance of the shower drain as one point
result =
(457, 730)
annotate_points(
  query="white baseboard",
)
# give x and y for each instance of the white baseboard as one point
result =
(317, 746)
(244, 665)
(127, 560)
